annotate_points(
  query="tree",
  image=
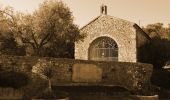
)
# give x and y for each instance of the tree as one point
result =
(8, 45)
(55, 23)
(46, 29)
(160, 43)
(158, 31)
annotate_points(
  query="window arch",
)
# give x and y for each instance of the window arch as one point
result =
(103, 49)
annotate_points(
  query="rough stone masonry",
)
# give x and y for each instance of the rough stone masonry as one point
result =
(132, 41)
(67, 72)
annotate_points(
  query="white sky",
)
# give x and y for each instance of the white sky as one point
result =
(147, 11)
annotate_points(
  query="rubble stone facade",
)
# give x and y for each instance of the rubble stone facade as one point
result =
(128, 36)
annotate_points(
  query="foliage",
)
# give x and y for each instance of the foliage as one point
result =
(160, 43)
(13, 79)
(49, 31)
(163, 75)
(44, 69)
(35, 85)
(55, 24)
(157, 30)
(8, 45)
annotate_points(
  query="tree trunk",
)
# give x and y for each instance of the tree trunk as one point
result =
(49, 85)
(37, 52)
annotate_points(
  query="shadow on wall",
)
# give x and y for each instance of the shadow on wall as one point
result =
(144, 53)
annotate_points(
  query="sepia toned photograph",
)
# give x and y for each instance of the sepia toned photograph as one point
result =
(84, 49)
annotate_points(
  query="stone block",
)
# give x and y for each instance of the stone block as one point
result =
(86, 73)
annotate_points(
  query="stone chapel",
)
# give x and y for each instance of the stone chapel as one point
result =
(113, 39)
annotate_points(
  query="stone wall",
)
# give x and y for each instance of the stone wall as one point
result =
(143, 46)
(86, 73)
(17, 63)
(121, 31)
(127, 35)
(132, 76)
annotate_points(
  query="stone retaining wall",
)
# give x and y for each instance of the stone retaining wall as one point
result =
(66, 72)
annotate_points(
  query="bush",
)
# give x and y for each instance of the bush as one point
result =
(161, 78)
(13, 79)
(35, 85)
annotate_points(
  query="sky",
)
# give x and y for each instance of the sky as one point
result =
(143, 11)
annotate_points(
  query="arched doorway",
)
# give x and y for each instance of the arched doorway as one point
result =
(103, 49)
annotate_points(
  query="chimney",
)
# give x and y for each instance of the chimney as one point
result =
(104, 10)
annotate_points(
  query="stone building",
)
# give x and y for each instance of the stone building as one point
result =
(112, 39)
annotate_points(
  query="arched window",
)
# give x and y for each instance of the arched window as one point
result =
(103, 49)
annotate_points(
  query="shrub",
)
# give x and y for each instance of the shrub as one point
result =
(13, 79)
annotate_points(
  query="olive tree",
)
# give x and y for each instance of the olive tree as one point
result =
(48, 31)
